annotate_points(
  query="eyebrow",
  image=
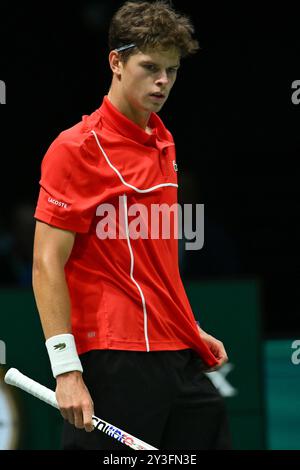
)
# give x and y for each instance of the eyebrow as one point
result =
(145, 62)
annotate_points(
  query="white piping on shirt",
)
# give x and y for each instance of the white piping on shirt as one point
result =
(121, 177)
(127, 230)
(131, 274)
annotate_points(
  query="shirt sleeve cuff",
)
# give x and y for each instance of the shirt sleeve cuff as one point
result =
(72, 225)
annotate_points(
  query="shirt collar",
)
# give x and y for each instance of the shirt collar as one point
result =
(129, 129)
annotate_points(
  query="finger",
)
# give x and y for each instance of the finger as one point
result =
(78, 417)
(70, 416)
(64, 414)
(222, 359)
(222, 355)
(88, 412)
(216, 367)
(67, 414)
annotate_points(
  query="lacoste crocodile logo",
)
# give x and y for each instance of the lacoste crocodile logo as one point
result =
(60, 346)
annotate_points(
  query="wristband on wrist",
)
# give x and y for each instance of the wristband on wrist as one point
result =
(63, 354)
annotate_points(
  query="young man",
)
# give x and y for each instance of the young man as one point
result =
(121, 336)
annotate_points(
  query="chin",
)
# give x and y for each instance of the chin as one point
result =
(153, 107)
(157, 107)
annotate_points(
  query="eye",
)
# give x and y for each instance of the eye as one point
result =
(172, 70)
(150, 67)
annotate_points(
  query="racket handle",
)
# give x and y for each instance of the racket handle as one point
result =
(16, 378)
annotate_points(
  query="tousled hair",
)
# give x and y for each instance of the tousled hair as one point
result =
(151, 25)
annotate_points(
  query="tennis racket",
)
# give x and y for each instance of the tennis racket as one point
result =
(16, 378)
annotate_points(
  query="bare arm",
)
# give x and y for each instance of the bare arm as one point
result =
(52, 248)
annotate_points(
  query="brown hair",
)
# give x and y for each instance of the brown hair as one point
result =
(154, 25)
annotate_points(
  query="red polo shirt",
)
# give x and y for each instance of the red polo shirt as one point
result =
(100, 179)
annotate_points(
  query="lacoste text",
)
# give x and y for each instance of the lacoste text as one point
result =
(57, 203)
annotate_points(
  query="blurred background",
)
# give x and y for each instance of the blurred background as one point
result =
(236, 128)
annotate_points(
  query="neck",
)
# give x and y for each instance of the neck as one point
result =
(138, 117)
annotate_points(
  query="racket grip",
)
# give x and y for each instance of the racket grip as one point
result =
(15, 377)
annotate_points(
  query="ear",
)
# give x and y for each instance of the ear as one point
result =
(115, 63)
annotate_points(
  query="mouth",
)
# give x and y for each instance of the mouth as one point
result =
(158, 96)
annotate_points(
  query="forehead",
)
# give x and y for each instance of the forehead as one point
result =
(166, 56)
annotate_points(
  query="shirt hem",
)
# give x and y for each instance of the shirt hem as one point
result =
(133, 346)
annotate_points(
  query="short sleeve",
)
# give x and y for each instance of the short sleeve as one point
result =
(69, 186)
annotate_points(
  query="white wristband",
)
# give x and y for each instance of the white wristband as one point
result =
(63, 354)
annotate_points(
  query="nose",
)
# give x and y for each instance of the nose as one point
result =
(163, 79)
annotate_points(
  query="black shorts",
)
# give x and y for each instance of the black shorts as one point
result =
(162, 398)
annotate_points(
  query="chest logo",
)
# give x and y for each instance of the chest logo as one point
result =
(175, 166)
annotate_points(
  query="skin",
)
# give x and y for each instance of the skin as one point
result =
(52, 248)
(143, 74)
(132, 84)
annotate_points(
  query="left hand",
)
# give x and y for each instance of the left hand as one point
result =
(216, 347)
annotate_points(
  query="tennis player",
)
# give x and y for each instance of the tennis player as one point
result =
(122, 339)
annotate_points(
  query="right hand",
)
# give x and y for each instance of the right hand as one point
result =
(74, 400)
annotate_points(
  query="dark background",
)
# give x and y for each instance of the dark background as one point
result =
(235, 126)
